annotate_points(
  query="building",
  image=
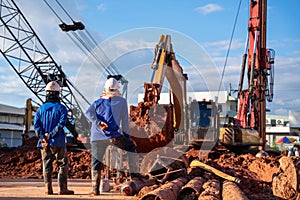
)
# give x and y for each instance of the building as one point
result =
(227, 104)
(277, 127)
(11, 125)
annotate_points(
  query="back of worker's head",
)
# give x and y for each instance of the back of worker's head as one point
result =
(53, 91)
(111, 85)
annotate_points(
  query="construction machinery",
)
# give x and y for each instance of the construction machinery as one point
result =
(164, 130)
(27, 55)
(29, 110)
(190, 124)
(182, 122)
(29, 58)
(249, 128)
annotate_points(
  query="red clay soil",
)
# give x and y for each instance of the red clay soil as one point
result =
(25, 162)
(151, 124)
(255, 173)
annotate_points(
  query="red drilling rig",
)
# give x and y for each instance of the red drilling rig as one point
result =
(249, 127)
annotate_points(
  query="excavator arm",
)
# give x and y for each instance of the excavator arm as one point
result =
(164, 66)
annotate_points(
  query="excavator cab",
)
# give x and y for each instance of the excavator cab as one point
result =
(203, 122)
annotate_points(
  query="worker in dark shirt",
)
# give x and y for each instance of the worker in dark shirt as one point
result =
(49, 123)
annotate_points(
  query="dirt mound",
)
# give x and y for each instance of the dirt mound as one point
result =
(23, 162)
(255, 173)
(151, 124)
(26, 162)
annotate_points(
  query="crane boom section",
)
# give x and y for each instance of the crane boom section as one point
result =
(252, 101)
(29, 58)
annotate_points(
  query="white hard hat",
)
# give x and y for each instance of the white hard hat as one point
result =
(111, 84)
(261, 154)
(53, 86)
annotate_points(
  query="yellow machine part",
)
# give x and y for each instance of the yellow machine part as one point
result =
(196, 163)
(160, 72)
(237, 135)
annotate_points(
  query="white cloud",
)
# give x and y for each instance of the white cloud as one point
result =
(101, 7)
(208, 8)
(223, 45)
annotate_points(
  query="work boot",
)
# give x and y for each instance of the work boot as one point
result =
(49, 190)
(63, 185)
(96, 176)
(48, 183)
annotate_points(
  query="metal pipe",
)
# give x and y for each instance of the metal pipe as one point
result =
(232, 191)
(253, 64)
(131, 188)
(192, 189)
(245, 56)
(170, 190)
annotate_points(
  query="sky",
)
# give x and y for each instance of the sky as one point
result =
(126, 33)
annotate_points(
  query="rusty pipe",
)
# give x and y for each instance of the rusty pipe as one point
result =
(232, 191)
(168, 190)
(192, 188)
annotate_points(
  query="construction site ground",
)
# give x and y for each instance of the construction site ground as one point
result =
(21, 174)
(31, 189)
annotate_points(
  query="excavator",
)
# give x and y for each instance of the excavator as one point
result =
(183, 122)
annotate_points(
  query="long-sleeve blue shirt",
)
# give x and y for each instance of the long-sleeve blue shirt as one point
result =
(51, 118)
(114, 112)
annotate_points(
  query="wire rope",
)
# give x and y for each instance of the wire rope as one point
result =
(87, 44)
(64, 10)
(229, 46)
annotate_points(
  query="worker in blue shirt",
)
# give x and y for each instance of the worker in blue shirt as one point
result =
(294, 151)
(110, 126)
(49, 123)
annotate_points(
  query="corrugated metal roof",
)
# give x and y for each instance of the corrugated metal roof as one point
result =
(11, 127)
(11, 110)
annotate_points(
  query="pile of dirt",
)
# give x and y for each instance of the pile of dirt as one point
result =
(151, 124)
(23, 162)
(26, 162)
